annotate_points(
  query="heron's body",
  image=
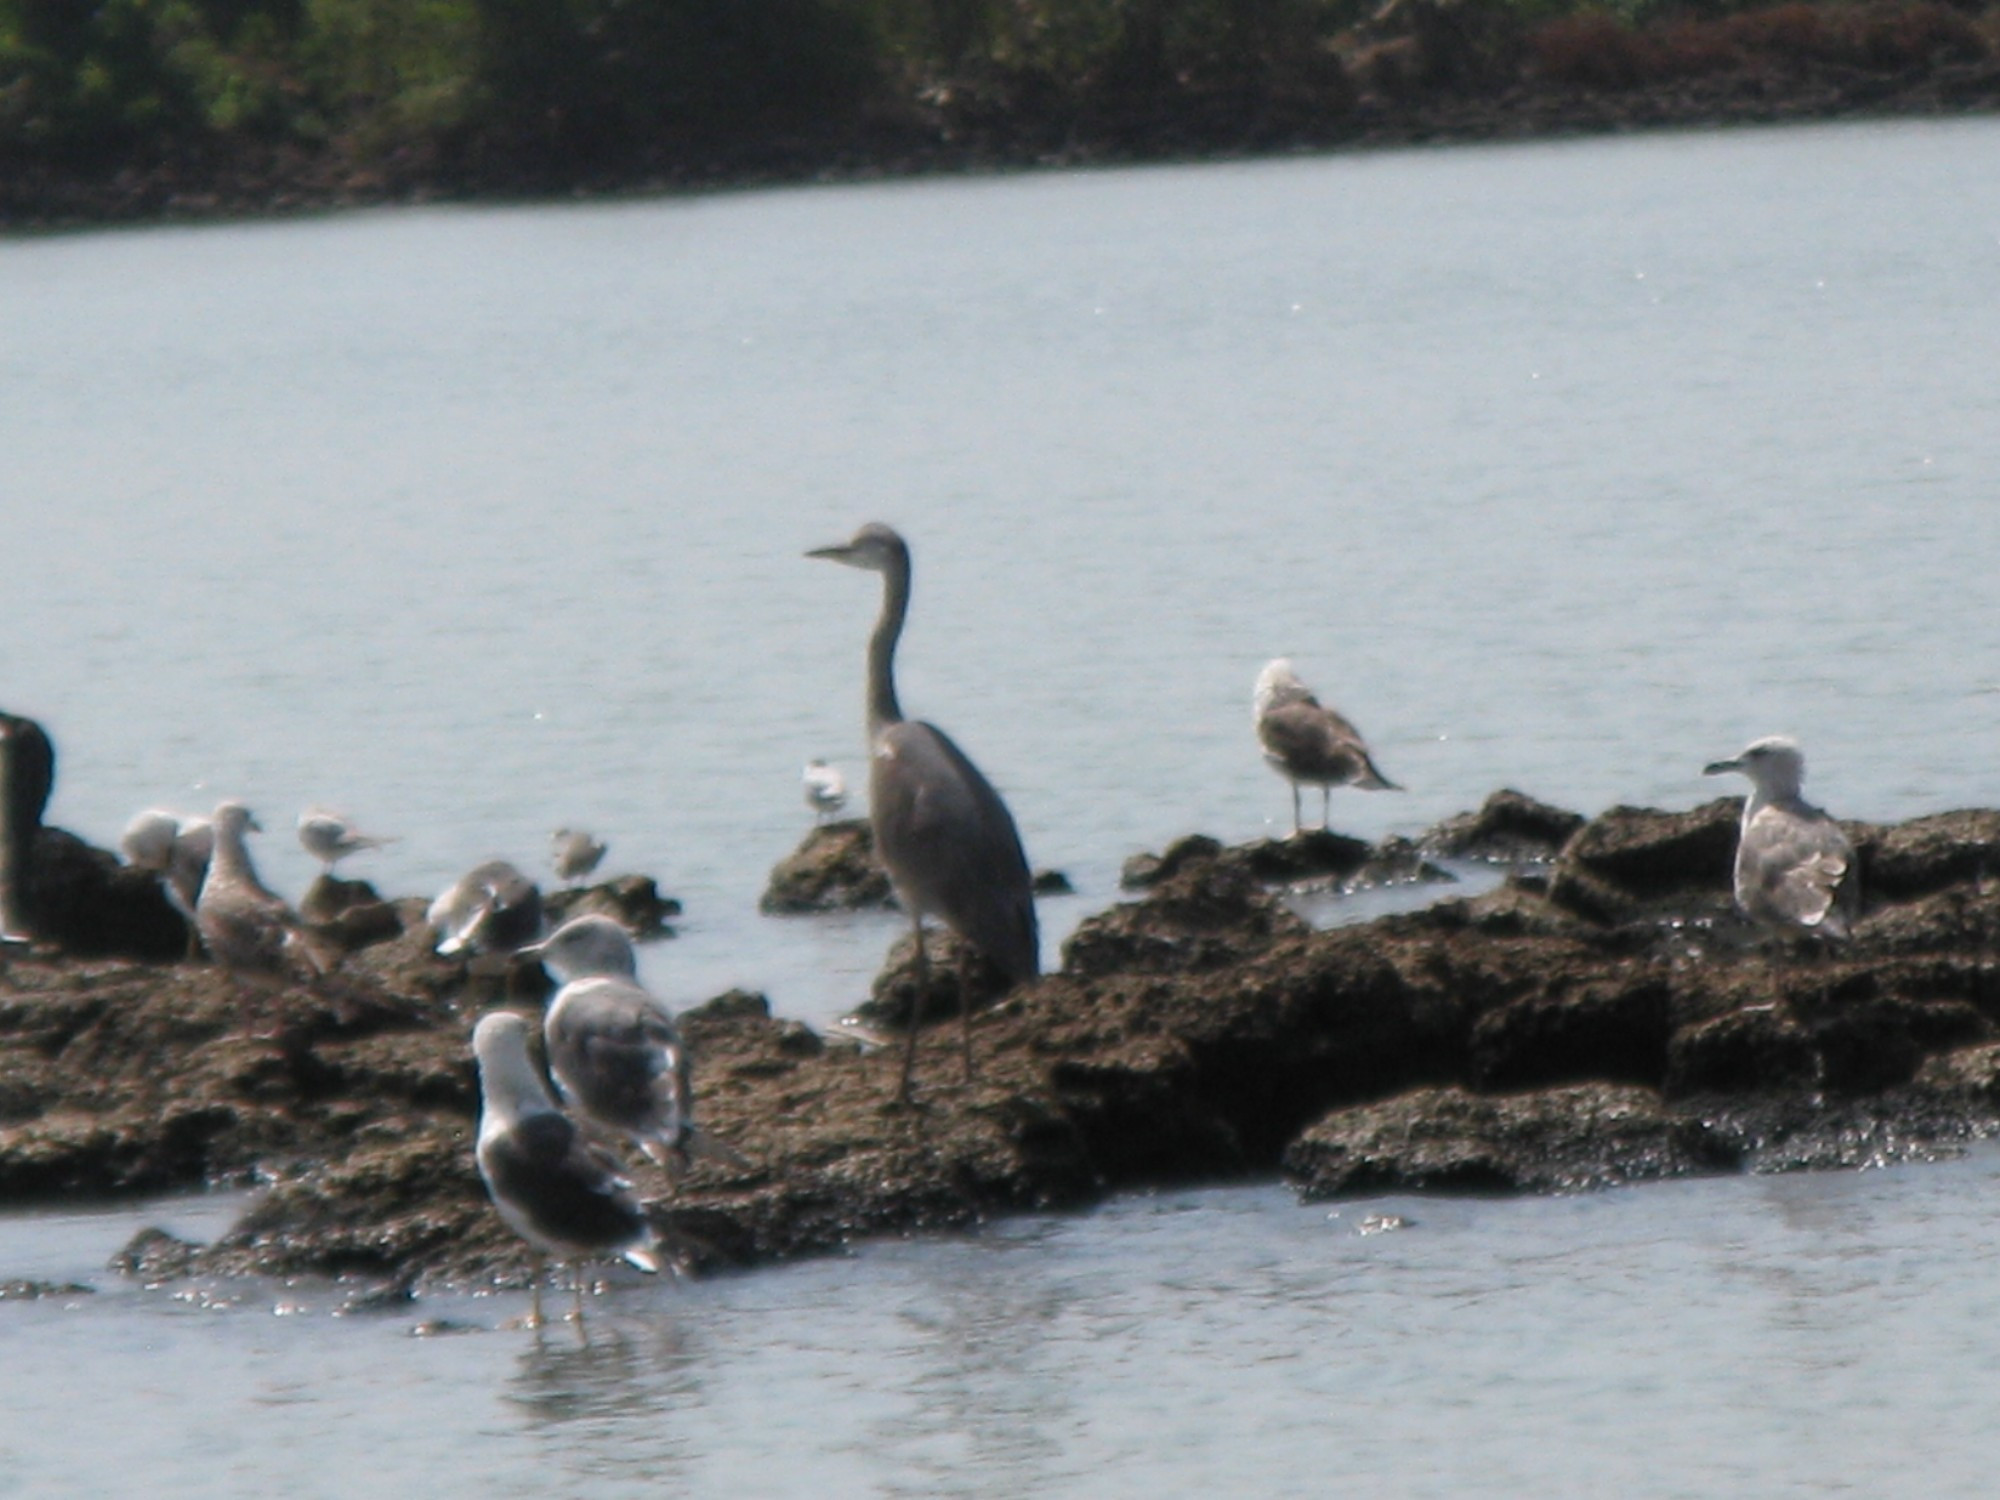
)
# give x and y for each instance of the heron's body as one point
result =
(941, 831)
(1308, 743)
(1795, 868)
(27, 777)
(548, 1184)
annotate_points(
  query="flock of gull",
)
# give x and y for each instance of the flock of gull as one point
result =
(942, 833)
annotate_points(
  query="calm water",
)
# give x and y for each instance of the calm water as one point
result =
(1567, 467)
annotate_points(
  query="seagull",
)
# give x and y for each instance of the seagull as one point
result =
(176, 848)
(246, 927)
(574, 853)
(613, 1049)
(826, 789)
(553, 1189)
(492, 908)
(1306, 742)
(330, 837)
(1795, 869)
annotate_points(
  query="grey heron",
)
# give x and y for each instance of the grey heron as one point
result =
(1795, 869)
(550, 1186)
(1308, 743)
(941, 830)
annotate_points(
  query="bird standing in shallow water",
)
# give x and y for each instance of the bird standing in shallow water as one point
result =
(826, 789)
(551, 1187)
(1795, 869)
(941, 830)
(1306, 742)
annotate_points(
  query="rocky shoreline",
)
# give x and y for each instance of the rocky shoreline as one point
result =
(1405, 85)
(1602, 1017)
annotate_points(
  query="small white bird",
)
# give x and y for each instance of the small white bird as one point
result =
(329, 837)
(574, 853)
(826, 790)
(1795, 869)
(1308, 743)
(551, 1186)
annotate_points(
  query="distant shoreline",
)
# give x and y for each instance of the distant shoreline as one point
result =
(249, 180)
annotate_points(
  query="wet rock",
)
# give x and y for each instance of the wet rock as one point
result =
(39, 1291)
(631, 900)
(835, 869)
(1206, 909)
(1632, 863)
(1510, 828)
(1052, 883)
(1586, 1135)
(1927, 855)
(1201, 1032)
(153, 1255)
(351, 912)
(1313, 858)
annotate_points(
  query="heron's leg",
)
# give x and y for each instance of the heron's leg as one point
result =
(1325, 805)
(576, 1285)
(1298, 821)
(965, 1007)
(916, 1013)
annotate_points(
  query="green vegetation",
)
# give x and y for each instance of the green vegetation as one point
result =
(556, 92)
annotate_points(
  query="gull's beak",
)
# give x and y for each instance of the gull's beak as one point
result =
(252, 824)
(1719, 767)
(840, 552)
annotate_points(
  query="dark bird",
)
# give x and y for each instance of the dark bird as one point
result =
(941, 830)
(1795, 869)
(27, 776)
(554, 1190)
(1308, 743)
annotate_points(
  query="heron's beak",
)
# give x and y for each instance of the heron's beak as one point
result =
(840, 552)
(1718, 767)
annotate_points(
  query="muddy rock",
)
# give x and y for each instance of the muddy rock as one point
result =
(1631, 863)
(1510, 828)
(1202, 1032)
(1315, 858)
(894, 997)
(835, 869)
(634, 901)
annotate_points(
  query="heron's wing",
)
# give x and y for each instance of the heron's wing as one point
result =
(615, 1052)
(950, 844)
(1792, 866)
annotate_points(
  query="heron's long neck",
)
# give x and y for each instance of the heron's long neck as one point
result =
(883, 709)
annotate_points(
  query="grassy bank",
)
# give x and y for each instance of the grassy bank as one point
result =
(151, 108)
